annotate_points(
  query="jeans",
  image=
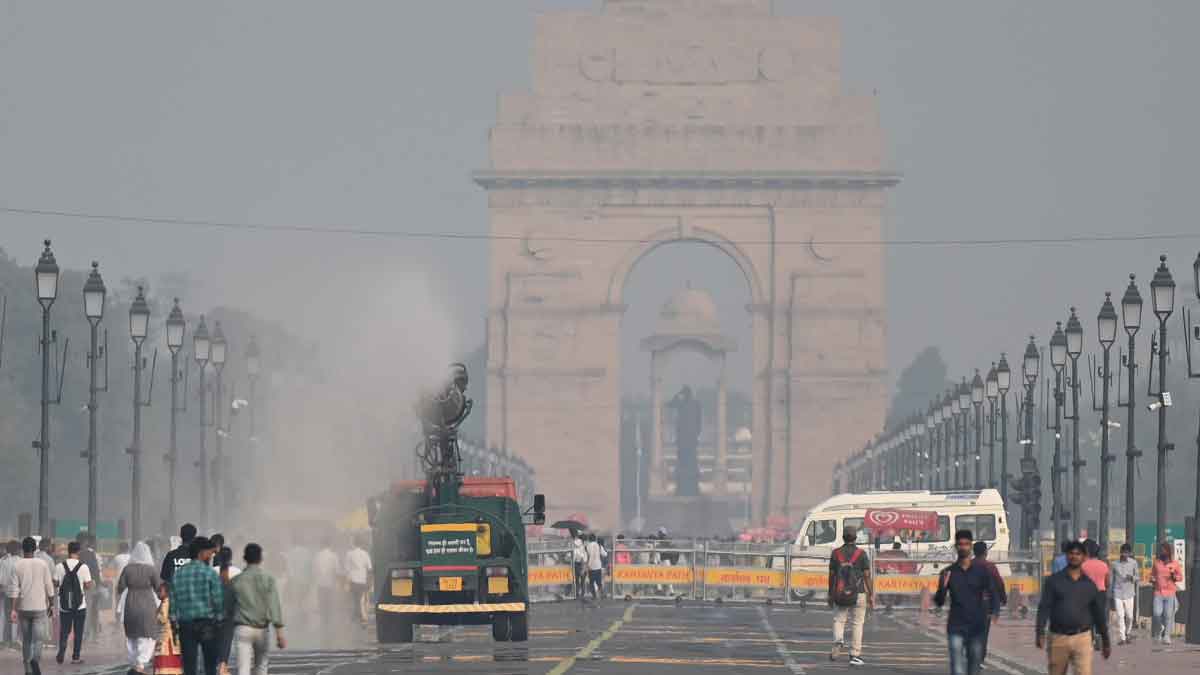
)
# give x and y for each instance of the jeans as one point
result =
(966, 653)
(190, 644)
(253, 647)
(67, 622)
(357, 593)
(855, 616)
(1165, 607)
(33, 633)
(596, 582)
(8, 629)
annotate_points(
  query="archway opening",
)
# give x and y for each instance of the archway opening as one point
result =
(686, 353)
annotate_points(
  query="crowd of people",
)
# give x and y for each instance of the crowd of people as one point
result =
(177, 603)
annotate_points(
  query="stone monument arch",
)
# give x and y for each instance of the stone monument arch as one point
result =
(656, 121)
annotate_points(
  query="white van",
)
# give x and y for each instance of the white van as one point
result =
(980, 511)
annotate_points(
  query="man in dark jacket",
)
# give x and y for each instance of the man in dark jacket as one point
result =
(1072, 606)
(968, 584)
(994, 601)
(180, 556)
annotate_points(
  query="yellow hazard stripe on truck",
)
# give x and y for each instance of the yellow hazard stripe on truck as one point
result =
(465, 608)
(450, 527)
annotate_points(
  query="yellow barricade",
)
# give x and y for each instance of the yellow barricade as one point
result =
(651, 574)
(743, 576)
(559, 575)
(897, 584)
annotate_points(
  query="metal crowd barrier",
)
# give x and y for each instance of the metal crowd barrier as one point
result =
(718, 571)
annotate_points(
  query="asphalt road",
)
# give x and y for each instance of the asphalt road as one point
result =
(619, 637)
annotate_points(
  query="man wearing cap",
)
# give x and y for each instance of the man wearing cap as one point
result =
(1072, 606)
(198, 607)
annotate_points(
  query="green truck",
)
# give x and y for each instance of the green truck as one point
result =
(450, 550)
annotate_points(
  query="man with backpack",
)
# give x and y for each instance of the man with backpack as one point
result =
(74, 579)
(851, 592)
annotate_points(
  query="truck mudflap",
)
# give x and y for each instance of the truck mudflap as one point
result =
(464, 608)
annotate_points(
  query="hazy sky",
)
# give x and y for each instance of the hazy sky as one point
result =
(1008, 120)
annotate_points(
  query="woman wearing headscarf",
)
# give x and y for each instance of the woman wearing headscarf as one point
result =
(140, 583)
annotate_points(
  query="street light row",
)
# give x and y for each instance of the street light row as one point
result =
(206, 349)
(932, 451)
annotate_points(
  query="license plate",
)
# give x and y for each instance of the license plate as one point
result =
(450, 583)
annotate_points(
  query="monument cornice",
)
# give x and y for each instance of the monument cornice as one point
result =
(693, 180)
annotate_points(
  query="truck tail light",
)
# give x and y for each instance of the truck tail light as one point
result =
(497, 571)
(402, 574)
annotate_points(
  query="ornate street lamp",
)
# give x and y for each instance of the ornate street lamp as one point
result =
(94, 294)
(1003, 384)
(176, 327)
(1106, 324)
(139, 324)
(977, 402)
(220, 349)
(46, 281)
(1074, 333)
(1031, 509)
(202, 351)
(1058, 359)
(1193, 616)
(1131, 317)
(962, 438)
(992, 390)
(1162, 293)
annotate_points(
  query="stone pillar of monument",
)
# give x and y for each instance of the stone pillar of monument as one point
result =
(657, 478)
(720, 468)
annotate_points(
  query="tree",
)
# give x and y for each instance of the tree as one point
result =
(923, 380)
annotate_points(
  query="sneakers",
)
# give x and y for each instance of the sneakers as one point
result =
(34, 667)
(857, 661)
(836, 651)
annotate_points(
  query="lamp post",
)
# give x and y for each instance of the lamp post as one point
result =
(1131, 317)
(94, 294)
(1058, 359)
(1162, 293)
(219, 352)
(949, 433)
(1074, 334)
(1031, 509)
(992, 391)
(964, 404)
(139, 323)
(253, 367)
(46, 276)
(926, 475)
(176, 326)
(202, 350)
(977, 391)
(935, 449)
(1106, 324)
(1003, 383)
(1193, 616)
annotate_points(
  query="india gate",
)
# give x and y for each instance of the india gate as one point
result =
(712, 121)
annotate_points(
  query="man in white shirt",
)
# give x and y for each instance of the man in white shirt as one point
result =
(357, 566)
(579, 558)
(326, 573)
(74, 580)
(595, 565)
(31, 589)
(9, 556)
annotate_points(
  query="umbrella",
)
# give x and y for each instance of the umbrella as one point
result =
(573, 525)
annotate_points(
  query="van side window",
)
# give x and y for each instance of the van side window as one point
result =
(864, 533)
(982, 526)
(821, 532)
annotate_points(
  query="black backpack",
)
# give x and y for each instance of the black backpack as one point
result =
(70, 593)
(847, 580)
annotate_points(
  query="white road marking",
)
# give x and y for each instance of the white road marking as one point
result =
(788, 661)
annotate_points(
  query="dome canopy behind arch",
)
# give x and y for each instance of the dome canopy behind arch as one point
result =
(690, 315)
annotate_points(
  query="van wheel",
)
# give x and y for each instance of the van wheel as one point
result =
(501, 630)
(519, 627)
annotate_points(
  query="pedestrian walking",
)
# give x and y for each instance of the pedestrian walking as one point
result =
(995, 598)
(1164, 576)
(45, 553)
(9, 556)
(1072, 606)
(1059, 563)
(168, 657)
(197, 608)
(357, 566)
(967, 584)
(93, 595)
(227, 571)
(74, 581)
(851, 592)
(579, 558)
(1123, 581)
(258, 609)
(32, 592)
(138, 585)
(595, 565)
(180, 555)
(326, 576)
(1097, 570)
